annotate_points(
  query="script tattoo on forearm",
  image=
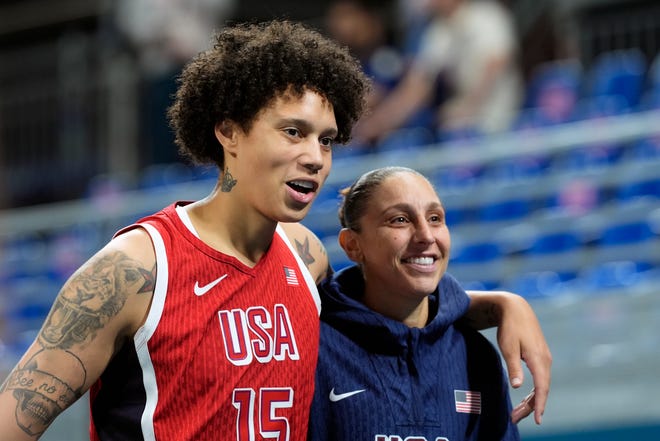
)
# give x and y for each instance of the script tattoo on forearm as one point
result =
(42, 396)
(91, 298)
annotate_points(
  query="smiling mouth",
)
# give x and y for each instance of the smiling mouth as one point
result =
(420, 260)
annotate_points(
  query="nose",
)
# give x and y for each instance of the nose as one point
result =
(313, 158)
(424, 233)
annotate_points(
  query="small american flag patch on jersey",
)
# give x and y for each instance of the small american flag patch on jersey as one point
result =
(467, 401)
(290, 275)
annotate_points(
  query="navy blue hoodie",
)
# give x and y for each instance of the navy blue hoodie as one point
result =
(379, 380)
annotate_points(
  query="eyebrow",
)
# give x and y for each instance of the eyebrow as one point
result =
(407, 207)
(306, 126)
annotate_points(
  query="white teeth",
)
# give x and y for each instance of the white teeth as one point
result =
(421, 260)
(305, 184)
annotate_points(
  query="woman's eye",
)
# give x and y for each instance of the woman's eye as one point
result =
(292, 132)
(327, 142)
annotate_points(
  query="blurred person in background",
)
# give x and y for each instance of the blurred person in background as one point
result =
(163, 35)
(366, 28)
(395, 360)
(372, 32)
(470, 50)
(190, 320)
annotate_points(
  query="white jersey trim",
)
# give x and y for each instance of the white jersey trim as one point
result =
(143, 334)
(309, 280)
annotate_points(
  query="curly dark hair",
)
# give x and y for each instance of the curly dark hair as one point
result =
(250, 65)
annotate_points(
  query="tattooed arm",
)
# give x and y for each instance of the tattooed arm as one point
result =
(103, 303)
(520, 337)
(310, 249)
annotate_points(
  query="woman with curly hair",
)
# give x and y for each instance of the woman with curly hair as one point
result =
(201, 321)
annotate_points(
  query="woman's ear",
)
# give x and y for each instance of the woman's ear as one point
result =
(348, 240)
(226, 133)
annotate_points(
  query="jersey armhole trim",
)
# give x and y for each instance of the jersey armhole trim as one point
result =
(143, 334)
(311, 283)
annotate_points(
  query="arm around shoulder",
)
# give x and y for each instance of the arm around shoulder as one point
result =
(102, 304)
(519, 337)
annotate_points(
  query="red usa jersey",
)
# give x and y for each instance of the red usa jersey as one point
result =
(227, 352)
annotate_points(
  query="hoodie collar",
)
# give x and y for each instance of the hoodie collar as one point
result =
(343, 309)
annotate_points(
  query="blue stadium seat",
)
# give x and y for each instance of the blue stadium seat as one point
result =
(540, 284)
(507, 210)
(626, 233)
(591, 108)
(586, 157)
(456, 216)
(519, 168)
(646, 148)
(633, 240)
(477, 253)
(478, 265)
(619, 274)
(619, 73)
(553, 256)
(456, 177)
(637, 189)
(555, 242)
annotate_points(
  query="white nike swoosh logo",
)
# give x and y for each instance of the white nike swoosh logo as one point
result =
(337, 397)
(201, 290)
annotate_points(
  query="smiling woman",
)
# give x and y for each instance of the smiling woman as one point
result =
(395, 362)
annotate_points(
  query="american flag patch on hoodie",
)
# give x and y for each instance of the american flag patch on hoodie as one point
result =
(467, 401)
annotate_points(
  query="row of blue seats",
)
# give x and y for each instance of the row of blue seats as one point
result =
(486, 202)
(603, 278)
(564, 239)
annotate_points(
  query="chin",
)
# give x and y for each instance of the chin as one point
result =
(293, 215)
(428, 287)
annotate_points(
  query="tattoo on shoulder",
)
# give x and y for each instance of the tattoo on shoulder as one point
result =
(92, 297)
(40, 395)
(308, 257)
(227, 182)
(490, 316)
(484, 317)
(303, 251)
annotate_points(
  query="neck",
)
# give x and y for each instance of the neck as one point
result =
(231, 229)
(412, 312)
